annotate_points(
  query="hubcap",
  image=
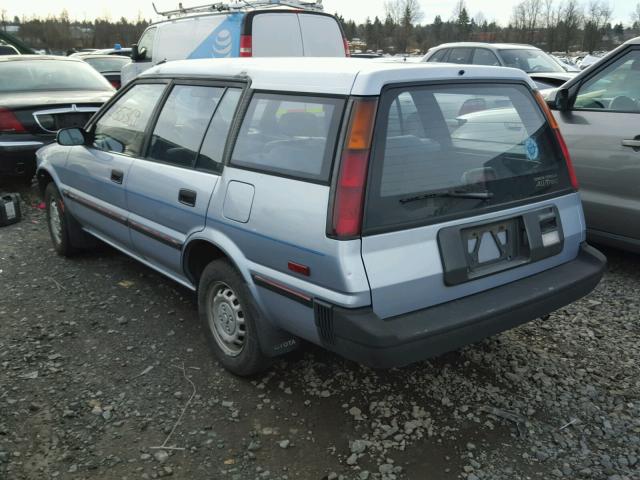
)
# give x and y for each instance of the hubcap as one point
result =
(55, 222)
(226, 319)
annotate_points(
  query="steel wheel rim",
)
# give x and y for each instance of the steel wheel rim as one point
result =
(226, 319)
(55, 221)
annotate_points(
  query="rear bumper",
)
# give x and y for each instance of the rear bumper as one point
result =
(18, 157)
(358, 334)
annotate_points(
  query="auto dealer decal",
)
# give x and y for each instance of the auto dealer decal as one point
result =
(531, 149)
(223, 42)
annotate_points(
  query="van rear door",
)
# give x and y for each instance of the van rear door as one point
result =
(468, 190)
(292, 34)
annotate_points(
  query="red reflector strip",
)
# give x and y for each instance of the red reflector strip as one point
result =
(277, 287)
(299, 268)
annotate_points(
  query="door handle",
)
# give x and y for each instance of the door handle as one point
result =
(187, 197)
(117, 176)
(635, 143)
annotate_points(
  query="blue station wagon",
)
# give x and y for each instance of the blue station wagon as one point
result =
(386, 212)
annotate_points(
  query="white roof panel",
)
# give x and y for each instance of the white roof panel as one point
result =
(340, 76)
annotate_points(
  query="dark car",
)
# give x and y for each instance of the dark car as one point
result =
(8, 50)
(39, 95)
(109, 66)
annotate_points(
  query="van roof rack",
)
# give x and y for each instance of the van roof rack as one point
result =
(239, 6)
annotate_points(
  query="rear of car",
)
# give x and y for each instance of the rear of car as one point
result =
(38, 96)
(272, 32)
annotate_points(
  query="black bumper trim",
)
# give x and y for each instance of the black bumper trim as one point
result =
(362, 336)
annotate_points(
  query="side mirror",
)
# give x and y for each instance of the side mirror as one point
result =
(138, 54)
(562, 102)
(71, 137)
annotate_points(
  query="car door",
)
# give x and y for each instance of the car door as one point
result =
(602, 131)
(168, 191)
(95, 177)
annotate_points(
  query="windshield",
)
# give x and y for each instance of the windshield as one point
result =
(446, 151)
(47, 75)
(530, 60)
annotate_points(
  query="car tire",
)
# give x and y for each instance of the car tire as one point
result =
(60, 223)
(229, 316)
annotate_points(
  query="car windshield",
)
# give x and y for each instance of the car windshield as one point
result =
(530, 60)
(46, 75)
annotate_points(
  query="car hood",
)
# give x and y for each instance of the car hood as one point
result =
(28, 99)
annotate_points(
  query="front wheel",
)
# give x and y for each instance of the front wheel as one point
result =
(229, 316)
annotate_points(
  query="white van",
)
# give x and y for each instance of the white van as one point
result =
(270, 28)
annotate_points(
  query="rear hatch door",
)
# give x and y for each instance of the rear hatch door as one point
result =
(468, 190)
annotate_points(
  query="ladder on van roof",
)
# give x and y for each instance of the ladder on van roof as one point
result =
(240, 5)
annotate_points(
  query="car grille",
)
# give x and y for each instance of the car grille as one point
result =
(72, 117)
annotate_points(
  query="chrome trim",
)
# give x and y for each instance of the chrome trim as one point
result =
(21, 144)
(56, 111)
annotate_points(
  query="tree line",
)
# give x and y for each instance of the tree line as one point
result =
(554, 25)
(60, 34)
(562, 26)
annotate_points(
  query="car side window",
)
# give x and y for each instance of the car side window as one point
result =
(615, 88)
(439, 55)
(289, 135)
(460, 55)
(146, 42)
(122, 128)
(181, 125)
(483, 56)
(210, 158)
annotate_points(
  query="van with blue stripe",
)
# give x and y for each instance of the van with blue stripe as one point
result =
(270, 28)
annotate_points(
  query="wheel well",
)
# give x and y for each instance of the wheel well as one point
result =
(44, 178)
(198, 255)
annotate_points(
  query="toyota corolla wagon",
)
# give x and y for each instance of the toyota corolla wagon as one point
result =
(384, 211)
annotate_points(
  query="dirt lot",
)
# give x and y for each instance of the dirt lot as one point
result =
(100, 357)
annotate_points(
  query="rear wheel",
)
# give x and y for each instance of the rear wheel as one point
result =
(229, 316)
(59, 222)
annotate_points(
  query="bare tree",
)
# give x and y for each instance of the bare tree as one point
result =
(571, 19)
(597, 17)
(635, 16)
(3, 19)
(405, 14)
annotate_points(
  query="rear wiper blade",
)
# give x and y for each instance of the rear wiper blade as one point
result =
(481, 195)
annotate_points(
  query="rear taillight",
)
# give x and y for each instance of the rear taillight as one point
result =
(246, 46)
(348, 204)
(563, 145)
(9, 123)
(347, 51)
(115, 84)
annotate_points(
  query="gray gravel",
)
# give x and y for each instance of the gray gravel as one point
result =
(100, 357)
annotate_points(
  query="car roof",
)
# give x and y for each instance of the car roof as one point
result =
(10, 58)
(497, 46)
(104, 55)
(340, 76)
(633, 41)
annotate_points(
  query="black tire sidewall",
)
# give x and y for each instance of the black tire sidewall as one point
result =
(251, 360)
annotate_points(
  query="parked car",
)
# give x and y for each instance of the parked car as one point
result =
(239, 29)
(541, 67)
(109, 66)
(599, 115)
(39, 95)
(8, 50)
(330, 200)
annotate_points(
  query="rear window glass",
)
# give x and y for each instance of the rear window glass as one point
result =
(449, 150)
(289, 135)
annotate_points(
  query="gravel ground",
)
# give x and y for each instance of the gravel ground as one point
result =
(105, 374)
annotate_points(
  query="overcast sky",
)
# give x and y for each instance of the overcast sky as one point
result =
(357, 10)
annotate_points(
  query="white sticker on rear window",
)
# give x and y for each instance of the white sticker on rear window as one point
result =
(531, 149)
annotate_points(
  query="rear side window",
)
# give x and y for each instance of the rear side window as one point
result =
(121, 129)
(438, 56)
(180, 128)
(483, 56)
(446, 151)
(460, 55)
(289, 135)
